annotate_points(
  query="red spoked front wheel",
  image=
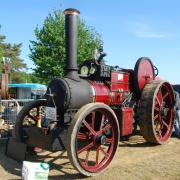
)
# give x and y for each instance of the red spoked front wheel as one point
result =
(93, 138)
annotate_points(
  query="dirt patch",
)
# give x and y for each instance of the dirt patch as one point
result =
(135, 159)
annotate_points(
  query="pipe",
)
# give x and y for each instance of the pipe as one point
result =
(71, 33)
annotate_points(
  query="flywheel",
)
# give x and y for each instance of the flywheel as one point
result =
(143, 73)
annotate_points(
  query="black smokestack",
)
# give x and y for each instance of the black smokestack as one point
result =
(71, 31)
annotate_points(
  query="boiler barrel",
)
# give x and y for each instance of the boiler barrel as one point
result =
(70, 94)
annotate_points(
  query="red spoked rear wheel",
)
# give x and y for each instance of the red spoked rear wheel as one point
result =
(156, 111)
(93, 138)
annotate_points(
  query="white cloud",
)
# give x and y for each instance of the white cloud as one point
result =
(145, 30)
(148, 34)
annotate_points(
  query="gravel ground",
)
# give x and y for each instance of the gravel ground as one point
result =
(135, 159)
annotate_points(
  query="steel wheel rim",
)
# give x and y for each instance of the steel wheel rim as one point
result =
(92, 136)
(163, 116)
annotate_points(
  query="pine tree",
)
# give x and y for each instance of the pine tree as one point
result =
(16, 64)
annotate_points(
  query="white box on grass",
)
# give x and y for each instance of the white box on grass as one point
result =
(35, 171)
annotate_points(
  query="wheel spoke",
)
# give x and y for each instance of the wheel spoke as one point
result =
(109, 140)
(102, 121)
(157, 108)
(155, 117)
(160, 93)
(97, 155)
(92, 119)
(103, 151)
(89, 127)
(82, 136)
(165, 95)
(87, 157)
(158, 101)
(106, 128)
(32, 117)
(165, 124)
(85, 148)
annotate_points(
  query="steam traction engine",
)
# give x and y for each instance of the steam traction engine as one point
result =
(87, 113)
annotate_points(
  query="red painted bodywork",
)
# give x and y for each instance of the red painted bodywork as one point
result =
(102, 92)
(120, 81)
(114, 93)
(125, 117)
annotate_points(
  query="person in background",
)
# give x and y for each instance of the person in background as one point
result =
(177, 115)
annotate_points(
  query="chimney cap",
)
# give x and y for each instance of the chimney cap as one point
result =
(71, 11)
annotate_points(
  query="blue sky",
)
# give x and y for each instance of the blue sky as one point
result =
(130, 28)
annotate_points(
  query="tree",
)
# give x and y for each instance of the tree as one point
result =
(1, 52)
(16, 64)
(32, 78)
(48, 50)
(1, 61)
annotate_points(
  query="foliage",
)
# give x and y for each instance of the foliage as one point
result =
(16, 64)
(1, 61)
(48, 50)
(32, 78)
